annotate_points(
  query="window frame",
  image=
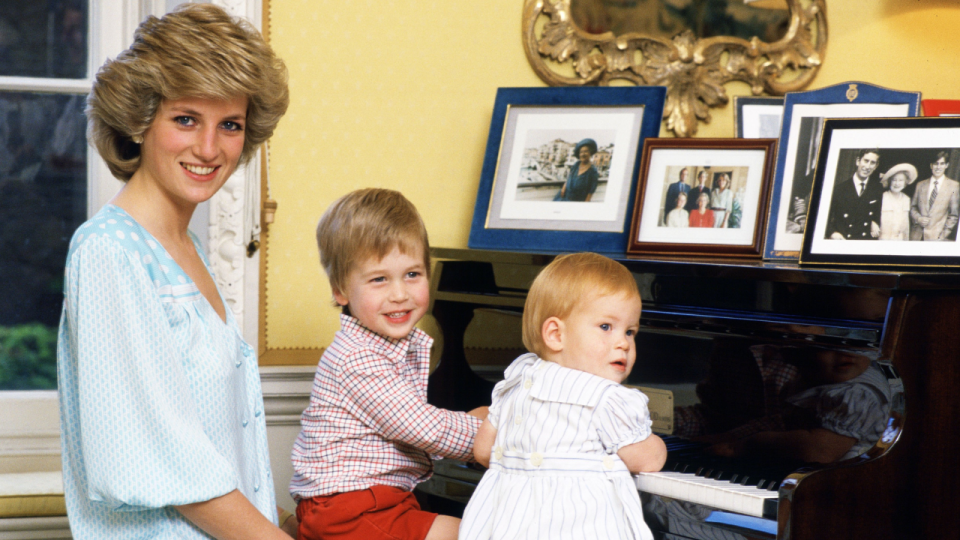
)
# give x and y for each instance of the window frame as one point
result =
(34, 444)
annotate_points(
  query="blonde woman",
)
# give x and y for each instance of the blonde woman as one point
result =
(160, 402)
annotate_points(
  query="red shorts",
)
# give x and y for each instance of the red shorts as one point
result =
(377, 513)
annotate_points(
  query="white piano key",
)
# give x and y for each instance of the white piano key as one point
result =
(719, 494)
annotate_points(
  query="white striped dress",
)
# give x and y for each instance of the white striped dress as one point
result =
(554, 471)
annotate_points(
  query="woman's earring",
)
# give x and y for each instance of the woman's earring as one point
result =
(137, 139)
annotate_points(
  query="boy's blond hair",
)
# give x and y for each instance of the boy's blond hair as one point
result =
(563, 284)
(366, 223)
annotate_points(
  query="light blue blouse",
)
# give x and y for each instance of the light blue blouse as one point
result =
(160, 400)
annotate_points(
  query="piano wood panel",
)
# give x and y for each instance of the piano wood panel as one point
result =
(907, 492)
(910, 491)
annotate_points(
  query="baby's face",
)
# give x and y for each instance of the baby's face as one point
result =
(832, 367)
(598, 336)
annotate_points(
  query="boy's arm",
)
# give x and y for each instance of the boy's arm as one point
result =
(486, 436)
(389, 404)
(479, 412)
(648, 455)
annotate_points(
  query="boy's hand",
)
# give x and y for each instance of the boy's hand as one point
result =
(479, 412)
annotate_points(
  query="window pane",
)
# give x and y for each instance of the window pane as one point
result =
(43, 198)
(44, 38)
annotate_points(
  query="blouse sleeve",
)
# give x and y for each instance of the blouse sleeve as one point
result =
(140, 436)
(622, 418)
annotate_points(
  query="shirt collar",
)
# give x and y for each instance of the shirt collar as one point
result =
(395, 349)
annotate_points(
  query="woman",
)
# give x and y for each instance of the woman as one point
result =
(895, 205)
(160, 403)
(583, 180)
(702, 216)
(721, 201)
(678, 217)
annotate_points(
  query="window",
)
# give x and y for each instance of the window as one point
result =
(50, 182)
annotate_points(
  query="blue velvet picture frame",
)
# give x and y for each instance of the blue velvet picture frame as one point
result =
(482, 236)
(798, 147)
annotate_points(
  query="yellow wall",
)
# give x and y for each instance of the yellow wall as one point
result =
(398, 93)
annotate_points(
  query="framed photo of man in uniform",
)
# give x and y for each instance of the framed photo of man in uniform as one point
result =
(886, 193)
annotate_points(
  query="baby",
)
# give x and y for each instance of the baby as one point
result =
(841, 414)
(563, 436)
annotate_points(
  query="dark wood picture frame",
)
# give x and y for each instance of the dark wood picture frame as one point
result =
(748, 177)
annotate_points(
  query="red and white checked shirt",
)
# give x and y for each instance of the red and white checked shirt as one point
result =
(368, 422)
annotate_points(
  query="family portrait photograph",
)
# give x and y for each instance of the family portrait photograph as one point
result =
(705, 196)
(887, 192)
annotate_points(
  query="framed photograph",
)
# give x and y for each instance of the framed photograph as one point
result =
(941, 107)
(702, 197)
(560, 165)
(757, 117)
(800, 134)
(885, 193)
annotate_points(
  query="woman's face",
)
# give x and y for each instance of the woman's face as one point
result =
(723, 182)
(702, 201)
(192, 147)
(584, 155)
(681, 200)
(898, 182)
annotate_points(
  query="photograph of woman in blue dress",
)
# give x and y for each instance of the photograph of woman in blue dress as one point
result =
(583, 180)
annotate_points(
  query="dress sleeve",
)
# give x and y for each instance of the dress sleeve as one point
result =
(141, 439)
(858, 412)
(622, 418)
(388, 403)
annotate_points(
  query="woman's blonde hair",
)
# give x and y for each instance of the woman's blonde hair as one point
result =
(368, 223)
(563, 284)
(198, 51)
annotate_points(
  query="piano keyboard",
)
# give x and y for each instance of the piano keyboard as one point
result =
(719, 494)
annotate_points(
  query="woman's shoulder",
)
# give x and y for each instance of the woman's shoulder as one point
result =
(111, 230)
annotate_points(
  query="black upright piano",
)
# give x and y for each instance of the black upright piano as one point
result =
(728, 349)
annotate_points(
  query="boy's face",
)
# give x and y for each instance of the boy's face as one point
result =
(598, 336)
(389, 295)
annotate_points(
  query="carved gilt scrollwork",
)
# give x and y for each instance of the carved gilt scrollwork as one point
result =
(693, 70)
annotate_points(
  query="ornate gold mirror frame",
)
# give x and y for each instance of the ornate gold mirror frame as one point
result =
(693, 70)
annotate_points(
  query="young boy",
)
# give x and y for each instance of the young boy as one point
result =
(368, 435)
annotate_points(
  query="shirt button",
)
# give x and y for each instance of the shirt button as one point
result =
(498, 453)
(244, 423)
(246, 351)
(608, 463)
(239, 363)
(256, 488)
(517, 420)
(536, 459)
(257, 413)
(527, 384)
